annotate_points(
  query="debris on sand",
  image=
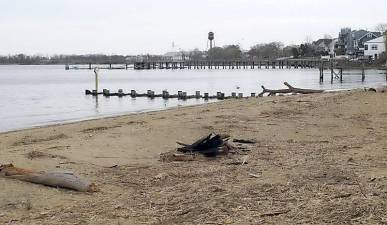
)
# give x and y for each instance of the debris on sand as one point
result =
(245, 141)
(211, 145)
(53, 179)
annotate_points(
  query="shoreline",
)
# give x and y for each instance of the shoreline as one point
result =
(117, 115)
(74, 121)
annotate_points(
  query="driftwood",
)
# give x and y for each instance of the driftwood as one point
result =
(381, 89)
(276, 213)
(53, 179)
(245, 141)
(290, 90)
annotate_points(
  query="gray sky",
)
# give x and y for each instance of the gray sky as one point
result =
(150, 26)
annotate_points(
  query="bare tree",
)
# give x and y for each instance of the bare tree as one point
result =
(308, 39)
(327, 36)
(381, 27)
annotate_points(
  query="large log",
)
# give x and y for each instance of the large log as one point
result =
(302, 91)
(290, 90)
(274, 92)
(54, 179)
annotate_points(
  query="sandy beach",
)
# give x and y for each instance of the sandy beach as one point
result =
(318, 159)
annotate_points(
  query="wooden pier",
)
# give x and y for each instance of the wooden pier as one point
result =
(335, 67)
(204, 64)
(336, 70)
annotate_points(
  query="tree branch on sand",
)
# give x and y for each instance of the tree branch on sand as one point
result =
(289, 90)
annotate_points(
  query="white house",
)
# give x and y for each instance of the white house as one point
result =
(373, 48)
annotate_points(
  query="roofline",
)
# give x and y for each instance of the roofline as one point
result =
(367, 34)
(371, 41)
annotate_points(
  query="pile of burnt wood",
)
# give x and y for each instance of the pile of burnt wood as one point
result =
(211, 145)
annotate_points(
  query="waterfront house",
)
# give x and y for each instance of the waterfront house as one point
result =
(322, 45)
(351, 42)
(375, 47)
(326, 46)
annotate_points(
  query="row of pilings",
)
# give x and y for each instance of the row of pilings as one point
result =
(280, 64)
(166, 95)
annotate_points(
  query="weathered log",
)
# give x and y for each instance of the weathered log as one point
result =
(53, 179)
(290, 89)
(273, 92)
(302, 91)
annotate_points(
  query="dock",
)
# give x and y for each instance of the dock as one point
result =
(204, 64)
(335, 67)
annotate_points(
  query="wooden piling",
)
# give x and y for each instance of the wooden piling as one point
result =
(362, 73)
(197, 94)
(165, 94)
(332, 71)
(120, 93)
(133, 93)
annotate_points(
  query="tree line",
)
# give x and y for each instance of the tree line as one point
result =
(228, 52)
(272, 50)
(23, 59)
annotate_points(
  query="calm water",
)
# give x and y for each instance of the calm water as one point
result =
(41, 95)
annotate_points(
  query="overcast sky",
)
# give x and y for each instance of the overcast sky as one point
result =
(150, 26)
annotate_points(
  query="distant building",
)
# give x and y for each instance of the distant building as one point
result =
(325, 46)
(322, 44)
(332, 47)
(375, 47)
(177, 56)
(351, 42)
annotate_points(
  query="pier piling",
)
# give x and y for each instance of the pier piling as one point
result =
(133, 93)
(197, 94)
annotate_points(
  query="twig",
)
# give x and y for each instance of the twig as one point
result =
(277, 213)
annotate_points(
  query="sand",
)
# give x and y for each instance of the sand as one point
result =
(319, 159)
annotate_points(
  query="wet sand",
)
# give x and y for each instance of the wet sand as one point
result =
(319, 159)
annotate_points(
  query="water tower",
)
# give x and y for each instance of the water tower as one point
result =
(211, 39)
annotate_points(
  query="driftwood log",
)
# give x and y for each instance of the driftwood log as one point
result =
(289, 90)
(53, 179)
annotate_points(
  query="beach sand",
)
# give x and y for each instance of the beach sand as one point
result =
(319, 159)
